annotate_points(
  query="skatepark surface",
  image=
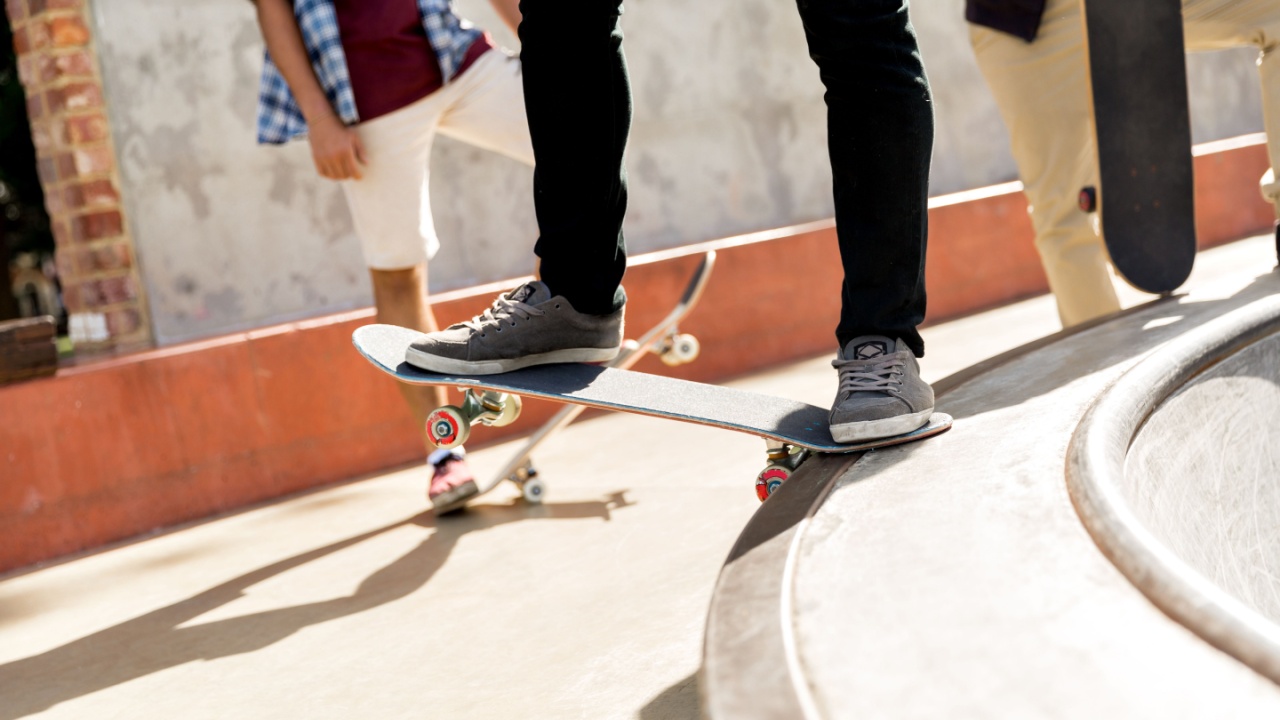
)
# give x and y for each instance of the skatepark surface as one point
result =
(353, 602)
(954, 578)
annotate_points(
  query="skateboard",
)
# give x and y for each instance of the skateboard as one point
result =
(664, 339)
(1138, 75)
(791, 430)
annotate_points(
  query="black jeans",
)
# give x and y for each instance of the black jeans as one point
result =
(880, 125)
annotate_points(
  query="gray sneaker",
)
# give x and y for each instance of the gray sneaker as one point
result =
(881, 393)
(523, 327)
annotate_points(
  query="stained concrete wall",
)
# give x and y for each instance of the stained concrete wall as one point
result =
(729, 137)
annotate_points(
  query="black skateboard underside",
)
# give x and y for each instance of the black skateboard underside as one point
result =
(635, 392)
(1137, 68)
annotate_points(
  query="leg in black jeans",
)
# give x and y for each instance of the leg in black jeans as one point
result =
(578, 99)
(881, 137)
(880, 123)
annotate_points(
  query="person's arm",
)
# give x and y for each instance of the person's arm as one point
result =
(335, 148)
(509, 11)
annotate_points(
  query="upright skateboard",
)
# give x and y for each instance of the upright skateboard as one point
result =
(791, 430)
(1137, 69)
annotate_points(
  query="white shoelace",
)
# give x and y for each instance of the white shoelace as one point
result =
(503, 309)
(870, 375)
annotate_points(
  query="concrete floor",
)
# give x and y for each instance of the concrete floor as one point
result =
(954, 578)
(351, 602)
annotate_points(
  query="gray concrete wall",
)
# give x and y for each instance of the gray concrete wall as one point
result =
(729, 137)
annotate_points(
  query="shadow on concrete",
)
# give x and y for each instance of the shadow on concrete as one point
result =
(1169, 318)
(155, 641)
(678, 702)
(791, 503)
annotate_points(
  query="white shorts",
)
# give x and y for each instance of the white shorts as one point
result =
(390, 205)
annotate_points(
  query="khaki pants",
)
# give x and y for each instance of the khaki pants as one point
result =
(1042, 91)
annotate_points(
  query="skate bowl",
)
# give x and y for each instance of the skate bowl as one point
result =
(1176, 474)
(1098, 536)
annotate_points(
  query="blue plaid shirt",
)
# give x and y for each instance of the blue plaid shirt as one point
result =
(280, 119)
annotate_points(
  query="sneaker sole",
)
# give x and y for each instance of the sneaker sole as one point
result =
(450, 366)
(455, 498)
(875, 429)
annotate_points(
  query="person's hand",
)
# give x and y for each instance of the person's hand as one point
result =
(336, 149)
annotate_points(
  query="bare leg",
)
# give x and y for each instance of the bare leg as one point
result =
(401, 299)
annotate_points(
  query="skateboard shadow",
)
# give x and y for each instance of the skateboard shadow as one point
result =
(155, 641)
(676, 702)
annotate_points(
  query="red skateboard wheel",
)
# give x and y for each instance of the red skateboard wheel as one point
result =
(447, 428)
(769, 480)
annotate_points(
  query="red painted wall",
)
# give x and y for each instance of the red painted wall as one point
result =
(116, 448)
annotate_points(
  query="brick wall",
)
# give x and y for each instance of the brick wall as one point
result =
(77, 166)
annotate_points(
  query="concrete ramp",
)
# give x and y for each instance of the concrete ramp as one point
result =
(1176, 473)
(955, 577)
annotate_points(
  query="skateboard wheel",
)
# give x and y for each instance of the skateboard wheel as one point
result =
(533, 489)
(770, 479)
(511, 406)
(1088, 199)
(447, 427)
(684, 349)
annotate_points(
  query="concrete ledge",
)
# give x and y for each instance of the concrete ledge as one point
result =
(953, 577)
(1150, 472)
(748, 642)
(107, 450)
(750, 668)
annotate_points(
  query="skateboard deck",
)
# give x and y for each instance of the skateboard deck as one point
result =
(1137, 70)
(788, 422)
(663, 339)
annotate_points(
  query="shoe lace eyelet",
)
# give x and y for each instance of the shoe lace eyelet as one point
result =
(557, 306)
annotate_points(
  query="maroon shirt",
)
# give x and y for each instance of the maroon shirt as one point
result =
(389, 59)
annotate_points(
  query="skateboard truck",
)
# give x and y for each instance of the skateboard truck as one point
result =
(531, 486)
(674, 349)
(784, 459)
(678, 348)
(450, 426)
